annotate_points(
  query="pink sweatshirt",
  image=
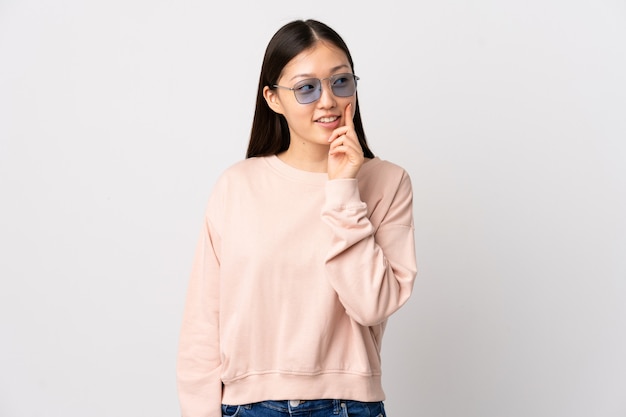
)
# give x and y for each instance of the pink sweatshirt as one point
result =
(294, 278)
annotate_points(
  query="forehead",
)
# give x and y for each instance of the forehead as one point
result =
(319, 60)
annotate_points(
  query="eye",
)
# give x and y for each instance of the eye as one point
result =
(305, 86)
(341, 80)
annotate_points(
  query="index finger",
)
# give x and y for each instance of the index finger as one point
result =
(347, 117)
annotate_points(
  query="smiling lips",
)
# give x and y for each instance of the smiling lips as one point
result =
(328, 119)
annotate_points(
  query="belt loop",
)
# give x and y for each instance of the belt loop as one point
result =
(336, 406)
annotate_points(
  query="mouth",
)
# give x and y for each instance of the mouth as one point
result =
(327, 119)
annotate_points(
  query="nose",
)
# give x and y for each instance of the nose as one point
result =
(327, 98)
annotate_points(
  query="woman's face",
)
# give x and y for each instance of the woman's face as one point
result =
(313, 123)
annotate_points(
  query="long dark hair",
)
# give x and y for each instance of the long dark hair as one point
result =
(270, 133)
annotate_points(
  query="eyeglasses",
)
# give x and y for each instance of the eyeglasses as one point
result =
(310, 90)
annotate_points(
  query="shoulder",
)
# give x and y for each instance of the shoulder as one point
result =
(382, 171)
(386, 189)
(244, 167)
(237, 175)
(385, 181)
(235, 181)
(241, 171)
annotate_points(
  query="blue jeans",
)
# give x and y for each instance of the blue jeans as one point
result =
(315, 408)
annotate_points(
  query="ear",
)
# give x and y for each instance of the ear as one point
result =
(272, 99)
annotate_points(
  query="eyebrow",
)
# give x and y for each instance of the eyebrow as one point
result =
(332, 70)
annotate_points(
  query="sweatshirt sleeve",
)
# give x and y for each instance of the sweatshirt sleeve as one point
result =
(372, 269)
(198, 362)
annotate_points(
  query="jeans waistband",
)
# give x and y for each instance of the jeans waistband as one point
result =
(300, 406)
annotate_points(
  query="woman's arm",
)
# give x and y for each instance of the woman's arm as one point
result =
(372, 269)
(198, 364)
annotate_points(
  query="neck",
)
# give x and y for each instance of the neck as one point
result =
(312, 159)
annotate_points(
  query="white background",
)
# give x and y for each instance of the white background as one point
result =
(117, 116)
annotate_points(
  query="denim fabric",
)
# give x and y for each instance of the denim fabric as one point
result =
(316, 408)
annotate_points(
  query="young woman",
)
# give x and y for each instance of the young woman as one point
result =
(307, 249)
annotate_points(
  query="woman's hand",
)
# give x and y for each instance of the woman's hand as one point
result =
(345, 156)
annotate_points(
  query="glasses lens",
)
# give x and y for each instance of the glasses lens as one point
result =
(307, 91)
(343, 85)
